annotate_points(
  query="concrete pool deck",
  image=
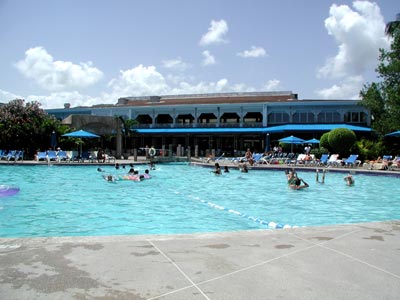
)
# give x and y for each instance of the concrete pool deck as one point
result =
(358, 261)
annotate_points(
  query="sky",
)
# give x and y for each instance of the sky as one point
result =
(88, 52)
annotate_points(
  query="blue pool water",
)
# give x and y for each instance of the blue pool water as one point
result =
(76, 201)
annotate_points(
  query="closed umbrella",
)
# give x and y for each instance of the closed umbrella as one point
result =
(53, 140)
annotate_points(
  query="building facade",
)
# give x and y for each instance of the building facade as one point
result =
(227, 121)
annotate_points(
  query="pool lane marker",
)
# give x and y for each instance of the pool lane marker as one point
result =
(269, 224)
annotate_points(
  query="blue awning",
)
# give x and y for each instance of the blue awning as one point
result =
(317, 127)
(255, 130)
(259, 130)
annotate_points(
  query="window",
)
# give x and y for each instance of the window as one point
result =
(329, 117)
(355, 117)
(278, 118)
(303, 117)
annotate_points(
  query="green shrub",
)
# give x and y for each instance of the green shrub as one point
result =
(341, 140)
(323, 141)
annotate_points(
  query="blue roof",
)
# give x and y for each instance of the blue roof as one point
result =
(259, 130)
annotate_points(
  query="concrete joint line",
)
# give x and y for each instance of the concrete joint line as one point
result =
(322, 245)
(181, 271)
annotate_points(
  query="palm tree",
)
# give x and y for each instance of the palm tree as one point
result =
(391, 27)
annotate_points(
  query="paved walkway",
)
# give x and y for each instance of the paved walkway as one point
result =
(354, 262)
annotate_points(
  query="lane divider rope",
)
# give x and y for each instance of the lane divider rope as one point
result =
(269, 224)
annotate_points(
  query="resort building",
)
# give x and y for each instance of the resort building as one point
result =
(223, 122)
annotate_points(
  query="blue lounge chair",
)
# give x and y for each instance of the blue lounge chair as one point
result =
(323, 161)
(62, 156)
(41, 156)
(52, 155)
(15, 155)
(351, 161)
(10, 154)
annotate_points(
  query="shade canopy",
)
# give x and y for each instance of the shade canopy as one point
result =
(81, 134)
(395, 133)
(292, 140)
(312, 141)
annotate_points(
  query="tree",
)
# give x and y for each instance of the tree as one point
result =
(383, 98)
(25, 126)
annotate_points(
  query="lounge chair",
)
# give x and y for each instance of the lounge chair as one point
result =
(323, 161)
(333, 160)
(352, 161)
(52, 155)
(10, 154)
(62, 156)
(17, 155)
(395, 164)
(41, 156)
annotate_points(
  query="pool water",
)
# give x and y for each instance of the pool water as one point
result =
(77, 201)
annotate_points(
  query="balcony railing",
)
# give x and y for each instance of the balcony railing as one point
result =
(199, 125)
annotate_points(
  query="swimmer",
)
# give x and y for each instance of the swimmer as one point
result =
(100, 170)
(295, 185)
(291, 176)
(243, 168)
(349, 180)
(217, 169)
(226, 169)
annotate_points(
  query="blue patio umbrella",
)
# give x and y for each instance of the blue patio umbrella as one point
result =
(395, 133)
(292, 140)
(81, 134)
(312, 141)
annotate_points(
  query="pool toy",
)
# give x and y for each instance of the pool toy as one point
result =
(6, 190)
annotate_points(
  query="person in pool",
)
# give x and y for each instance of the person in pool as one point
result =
(349, 180)
(291, 176)
(296, 184)
(217, 169)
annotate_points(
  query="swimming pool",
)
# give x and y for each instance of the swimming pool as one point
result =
(77, 201)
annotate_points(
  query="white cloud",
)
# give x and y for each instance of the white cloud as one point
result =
(6, 97)
(209, 59)
(58, 99)
(359, 34)
(272, 85)
(253, 52)
(215, 33)
(349, 88)
(139, 81)
(56, 75)
(176, 64)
